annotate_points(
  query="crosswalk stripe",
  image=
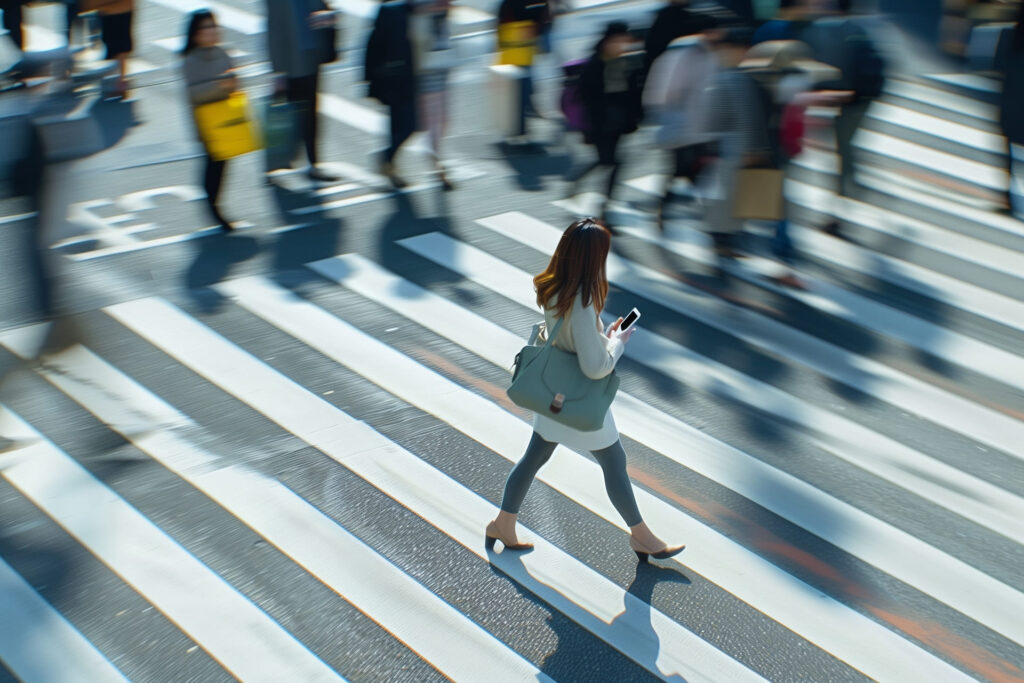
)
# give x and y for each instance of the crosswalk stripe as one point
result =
(371, 583)
(228, 16)
(195, 598)
(933, 480)
(32, 631)
(908, 229)
(869, 376)
(940, 98)
(891, 550)
(576, 590)
(759, 583)
(948, 290)
(938, 127)
(941, 342)
(931, 159)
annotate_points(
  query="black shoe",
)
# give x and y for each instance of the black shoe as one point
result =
(320, 175)
(226, 227)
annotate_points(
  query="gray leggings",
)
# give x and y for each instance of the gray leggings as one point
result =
(611, 459)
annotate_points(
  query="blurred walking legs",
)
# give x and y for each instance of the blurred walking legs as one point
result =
(213, 176)
(434, 111)
(403, 125)
(11, 10)
(847, 123)
(302, 92)
(607, 145)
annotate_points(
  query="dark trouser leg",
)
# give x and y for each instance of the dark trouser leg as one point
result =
(519, 479)
(847, 123)
(70, 16)
(525, 99)
(302, 92)
(213, 175)
(12, 21)
(403, 125)
(608, 156)
(616, 482)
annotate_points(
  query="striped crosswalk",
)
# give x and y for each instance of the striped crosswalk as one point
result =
(292, 484)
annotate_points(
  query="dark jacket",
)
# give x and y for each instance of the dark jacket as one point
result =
(389, 67)
(1011, 115)
(610, 112)
(672, 21)
(289, 54)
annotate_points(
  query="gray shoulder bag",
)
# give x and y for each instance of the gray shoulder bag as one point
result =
(549, 382)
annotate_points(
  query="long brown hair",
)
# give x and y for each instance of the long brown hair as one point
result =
(576, 266)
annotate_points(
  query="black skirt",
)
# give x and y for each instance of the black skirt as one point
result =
(117, 33)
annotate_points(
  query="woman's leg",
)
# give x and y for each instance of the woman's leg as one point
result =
(519, 479)
(616, 482)
(213, 175)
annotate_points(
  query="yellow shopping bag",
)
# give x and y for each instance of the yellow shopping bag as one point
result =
(517, 42)
(227, 129)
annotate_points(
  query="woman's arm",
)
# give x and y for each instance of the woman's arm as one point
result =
(202, 89)
(597, 353)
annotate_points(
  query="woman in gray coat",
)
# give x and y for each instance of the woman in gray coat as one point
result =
(209, 78)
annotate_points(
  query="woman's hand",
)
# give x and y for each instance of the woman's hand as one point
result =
(229, 82)
(613, 331)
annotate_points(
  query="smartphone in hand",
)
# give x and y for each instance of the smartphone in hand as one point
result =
(629, 320)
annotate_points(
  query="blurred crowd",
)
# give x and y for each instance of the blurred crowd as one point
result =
(725, 96)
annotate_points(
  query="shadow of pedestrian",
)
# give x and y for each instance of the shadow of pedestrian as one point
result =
(115, 118)
(575, 659)
(217, 254)
(533, 162)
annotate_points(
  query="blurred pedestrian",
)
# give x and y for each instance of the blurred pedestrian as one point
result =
(789, 23)
(520, 25)
(209, 76)
(296, 53)
(1011, 115)
(737, 118)
(677, 19)
(116, 30)
(842, 42)
(391, 73)
(676, 101)
(434, 57)
(12, 20)
(572, 292)
(610, 90)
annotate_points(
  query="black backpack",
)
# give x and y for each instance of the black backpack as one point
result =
(842, 43)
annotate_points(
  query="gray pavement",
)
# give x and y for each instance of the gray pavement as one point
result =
(271, 455)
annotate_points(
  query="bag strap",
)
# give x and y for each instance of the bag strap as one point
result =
(554, 333)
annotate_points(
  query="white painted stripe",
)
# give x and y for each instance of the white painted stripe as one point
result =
(952, 347)
(228, 16)
(941, 98)
(943, 288)
(37, 643)
(971, 81)
(931, 159)
(869, 376)
(891, 550)
(908, 229)
(226, 624)
(735, 569)
(938, 127)
(398, 603)
(953, 489)
(982, 216)
(17, 218)
(367, 9)
(149, 244)
(570, 586)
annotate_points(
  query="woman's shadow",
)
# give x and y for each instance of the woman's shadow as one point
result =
(633, 625)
